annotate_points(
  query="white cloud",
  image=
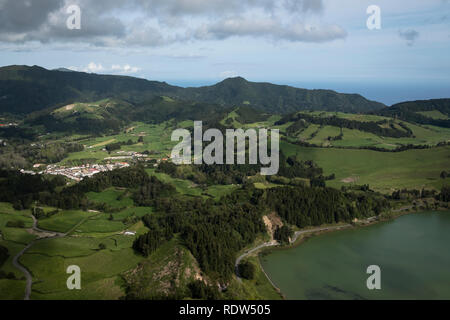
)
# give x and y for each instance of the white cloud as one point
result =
(93, 67)
(126, 69)
(157, 23)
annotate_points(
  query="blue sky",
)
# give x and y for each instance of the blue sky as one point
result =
(306, 43)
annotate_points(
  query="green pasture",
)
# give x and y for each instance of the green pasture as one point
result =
(49, 273)
(435, 114)
(65, 221)
(349, 116)
(12, 289)
(112, 198)
(383, 171)
(422, 135)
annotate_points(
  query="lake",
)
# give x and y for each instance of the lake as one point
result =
(413, 252)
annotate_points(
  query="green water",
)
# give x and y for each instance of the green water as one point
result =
(412, 251)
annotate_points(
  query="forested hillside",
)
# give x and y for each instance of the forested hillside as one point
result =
(277, 98)
(26, 89)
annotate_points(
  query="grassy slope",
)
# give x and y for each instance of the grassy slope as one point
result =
(111, 197)
(14, 239)
(156, 138)
(187, 187)
(166, 271)
(48, 259)
(382, 171)
(101, 269)
(435, 114)
(255, 289)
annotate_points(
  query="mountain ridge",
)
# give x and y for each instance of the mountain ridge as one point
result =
(279, 98)
(25, 89)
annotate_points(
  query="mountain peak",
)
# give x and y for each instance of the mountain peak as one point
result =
(235, 80)
(63, 70)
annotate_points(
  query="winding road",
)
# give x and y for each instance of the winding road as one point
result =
(247, 253)
(18, 265)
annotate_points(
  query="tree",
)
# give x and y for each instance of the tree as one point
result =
(38, 213)
(283, 234)
(445, 194)
(102, 246)
(247, 270)
(4, 254)
(200, 290)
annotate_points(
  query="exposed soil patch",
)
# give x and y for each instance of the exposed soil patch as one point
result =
(69, 107)
(350, 180)
(272, 222)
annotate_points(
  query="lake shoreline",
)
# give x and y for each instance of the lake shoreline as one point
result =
(392, 215)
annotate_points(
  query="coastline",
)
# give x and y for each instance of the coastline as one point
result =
(295, 244)
(391, 216)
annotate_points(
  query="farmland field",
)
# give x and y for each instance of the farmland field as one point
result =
(323, 135)
(112, 197)
(64, 221)
(156, 138)
(48, 259)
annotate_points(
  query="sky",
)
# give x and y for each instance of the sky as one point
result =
(322, 44)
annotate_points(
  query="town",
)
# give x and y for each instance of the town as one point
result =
(77, 173)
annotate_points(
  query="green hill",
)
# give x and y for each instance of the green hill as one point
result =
(27, 89)
(344, 130)
(112, 114)
(277, 98)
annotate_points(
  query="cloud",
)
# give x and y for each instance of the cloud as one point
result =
(223, 7)
(269, 28)
(20, 16)
(93, 67)
(126, 69)
(44, 21)
(315, 6)
(409, 35)
(155, 23)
